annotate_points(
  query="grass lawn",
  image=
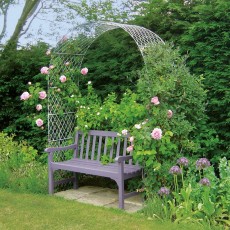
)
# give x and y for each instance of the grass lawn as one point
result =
(30, 211)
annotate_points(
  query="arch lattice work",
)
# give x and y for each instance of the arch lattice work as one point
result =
(72, 48)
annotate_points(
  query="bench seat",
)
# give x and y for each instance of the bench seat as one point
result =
(97, 168)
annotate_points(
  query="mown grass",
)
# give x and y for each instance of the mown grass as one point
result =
(29, 211)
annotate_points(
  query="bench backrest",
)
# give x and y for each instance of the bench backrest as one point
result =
(96, 143)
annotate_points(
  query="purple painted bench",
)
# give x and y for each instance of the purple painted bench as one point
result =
(87, 152)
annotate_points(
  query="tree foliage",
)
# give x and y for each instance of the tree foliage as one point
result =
(17, 69)
(206, 41)
(201, 30)
(112, 61)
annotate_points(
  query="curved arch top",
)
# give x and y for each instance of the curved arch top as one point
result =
(89, 32)
(72, 48)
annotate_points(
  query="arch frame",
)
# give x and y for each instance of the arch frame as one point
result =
(72, 49)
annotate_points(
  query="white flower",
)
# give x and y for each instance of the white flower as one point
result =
(98, 113)
(124, 131)
(86, 126)
(89, 82)
(118, 134)
(200, 206)
(72, 96)
(131, 139)
(137, 126)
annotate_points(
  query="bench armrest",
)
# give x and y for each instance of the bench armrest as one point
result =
(53, 149)
(119, 159)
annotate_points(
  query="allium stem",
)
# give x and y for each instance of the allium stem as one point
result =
(200, 174)
(175, 183)
(182, 176)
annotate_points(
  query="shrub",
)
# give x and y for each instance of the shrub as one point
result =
(174, 101)
(18, 168)
(110, 114)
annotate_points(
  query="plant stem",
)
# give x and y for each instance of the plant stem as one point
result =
(200, 174)
(182, 176)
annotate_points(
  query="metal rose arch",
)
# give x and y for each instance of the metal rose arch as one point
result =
(72, 49)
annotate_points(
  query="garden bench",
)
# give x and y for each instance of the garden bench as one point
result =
(88, 149)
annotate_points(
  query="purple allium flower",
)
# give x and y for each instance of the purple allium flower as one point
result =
(175, 170)
(205, 182)
(183, 161)
(163, 191)
(202, 163)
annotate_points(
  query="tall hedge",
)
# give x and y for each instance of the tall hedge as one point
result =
(207, 41)
(201, 30)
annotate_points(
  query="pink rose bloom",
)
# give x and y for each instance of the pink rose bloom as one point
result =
(25, 96)
(131, 139)
(39, 122)
(67, 63)
(48, 52)
(170, 113)
(155, 101)
(51, 66)
(38, 107)
(63, 78)
(44, 70)
(84, 71)
(156, 134)
(42, 95)
(124, 131)
(130, 148)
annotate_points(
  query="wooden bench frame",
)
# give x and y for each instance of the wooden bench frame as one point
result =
(86, 161)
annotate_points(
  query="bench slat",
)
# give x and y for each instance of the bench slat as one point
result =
(87, 147)
(76, 151)
(103, 133)
(105, 145)
(99, 148)
(118, 147)
(111, 149)
(93, 147)
(125, 147)
(82, 145)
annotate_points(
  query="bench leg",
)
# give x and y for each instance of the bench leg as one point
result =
(75, 182)
(51, 182)
(121, 194)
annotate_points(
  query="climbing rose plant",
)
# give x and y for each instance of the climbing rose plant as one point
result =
(63, 85)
